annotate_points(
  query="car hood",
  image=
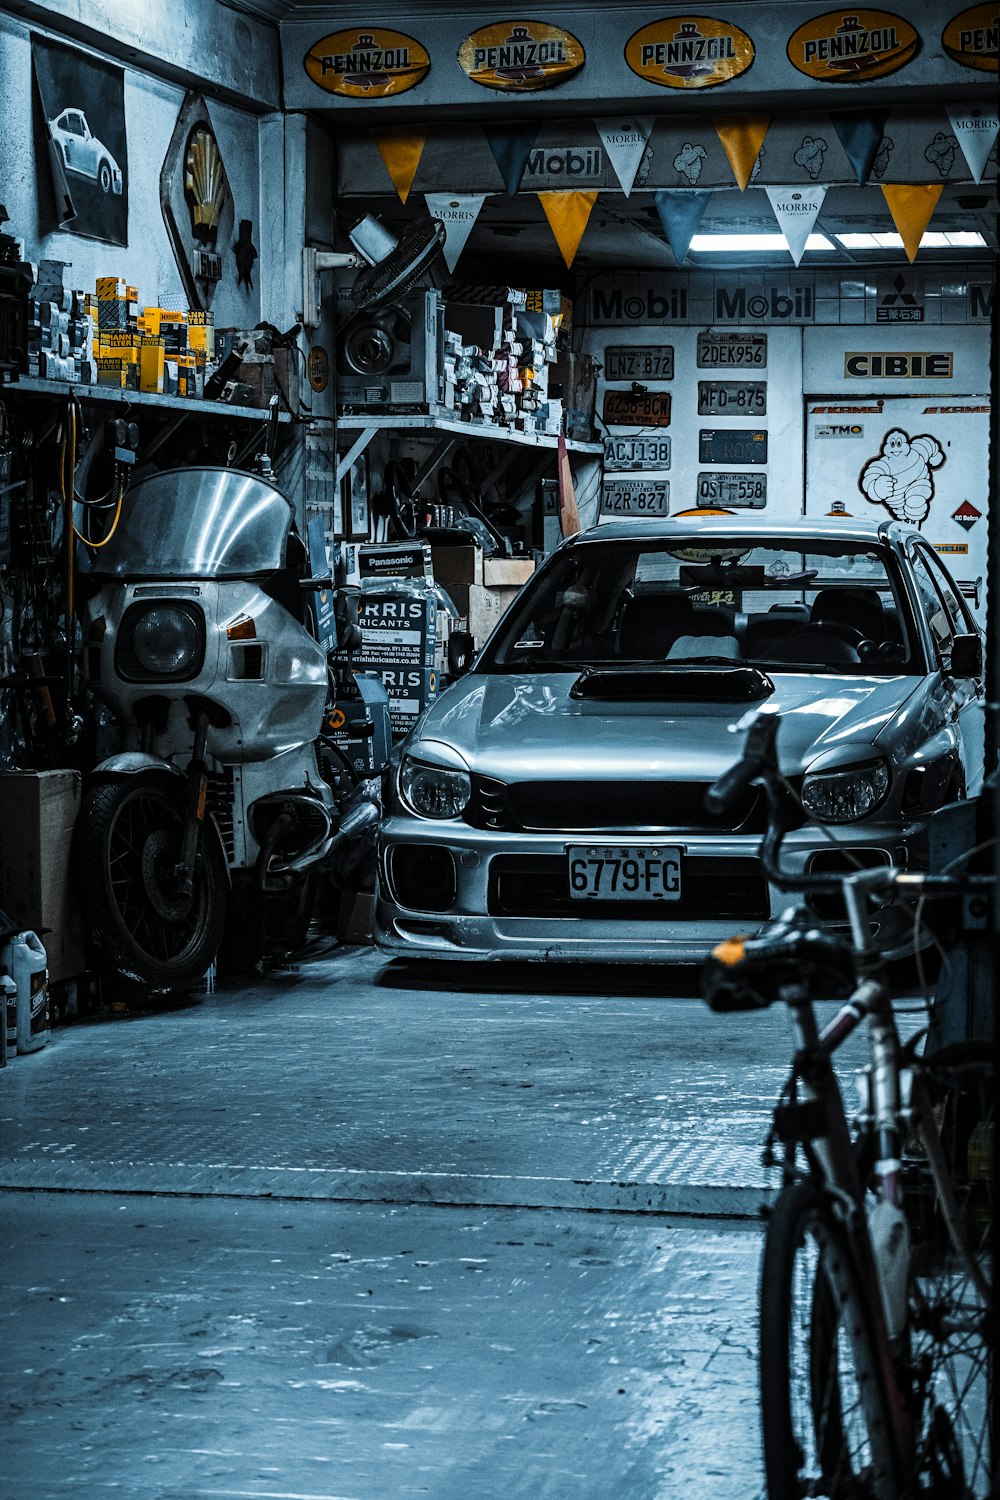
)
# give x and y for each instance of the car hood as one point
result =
(511, 726)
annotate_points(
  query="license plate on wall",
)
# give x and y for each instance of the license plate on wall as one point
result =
(636, 497)
(638, 362)
(731, 350)
(633, 410)
(746, 490)
(624, 872)
(731, 445)
(735, 398)
(637, 453)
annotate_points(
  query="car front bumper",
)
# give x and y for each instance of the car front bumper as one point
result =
(509, 894)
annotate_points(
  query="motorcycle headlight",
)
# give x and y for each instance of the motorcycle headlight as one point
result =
(845, 796)
(433, 791)
(162, 641)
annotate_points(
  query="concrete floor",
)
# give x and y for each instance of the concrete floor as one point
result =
(361, 1231)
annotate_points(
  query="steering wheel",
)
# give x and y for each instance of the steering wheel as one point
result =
(845, 633)
(399, 498)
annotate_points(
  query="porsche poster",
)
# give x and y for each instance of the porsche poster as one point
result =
(82, 103)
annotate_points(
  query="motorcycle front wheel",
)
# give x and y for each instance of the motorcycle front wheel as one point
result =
(128, 844)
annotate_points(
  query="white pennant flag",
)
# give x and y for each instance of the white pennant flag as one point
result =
(625, 143)
(457, 212)
(795, 210)
(976, 130)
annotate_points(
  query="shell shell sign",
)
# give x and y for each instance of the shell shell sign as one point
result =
(689, 52)
(367, 63)
(852, 46)
(973, 38)
(520, 57)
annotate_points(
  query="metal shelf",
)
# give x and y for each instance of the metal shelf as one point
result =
(31, 385)
(435, 422)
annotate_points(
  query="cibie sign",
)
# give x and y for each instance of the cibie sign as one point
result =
(367, 63)
(851, 46)
(689, 52)
(520, 57)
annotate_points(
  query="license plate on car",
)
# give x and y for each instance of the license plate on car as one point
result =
(744, 398)
(624, 872)
(635, 497)
(639, 361)
(731, 349)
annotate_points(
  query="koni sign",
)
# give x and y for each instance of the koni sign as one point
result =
(367, 63)
(521, 57)
(689, 52)
(852, 46)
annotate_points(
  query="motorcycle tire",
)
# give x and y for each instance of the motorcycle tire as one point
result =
(127, 839)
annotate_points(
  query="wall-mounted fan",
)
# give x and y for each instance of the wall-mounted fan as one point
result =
(389, 266)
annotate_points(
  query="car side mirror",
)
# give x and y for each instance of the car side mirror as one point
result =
(967, 656)
(461, 650)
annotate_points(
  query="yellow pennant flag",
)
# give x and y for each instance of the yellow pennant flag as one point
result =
(401, 151)
(568, 214)
(912, 208)
(742, 137)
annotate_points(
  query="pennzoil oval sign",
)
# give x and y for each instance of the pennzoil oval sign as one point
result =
(367, 63)
(973, 37)
(689, 52)
(852, 46)
(520, 57)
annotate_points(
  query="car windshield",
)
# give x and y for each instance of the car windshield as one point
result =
(834, 606)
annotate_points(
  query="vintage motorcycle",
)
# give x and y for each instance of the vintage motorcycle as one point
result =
(197, 635)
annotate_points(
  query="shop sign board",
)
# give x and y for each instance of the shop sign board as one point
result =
(636, 453)
(744, 491)
(635, 497)
(367, 63)
(564, 164)
(972, 38)
(900, 298)
(853, 45)
(899, 366)
(639, 362)
(731, 398)
(731, 445)
(637, 409)
(689, 52)
(731, 350)
(521, 57)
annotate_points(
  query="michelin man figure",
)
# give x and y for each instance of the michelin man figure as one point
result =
(900, 477)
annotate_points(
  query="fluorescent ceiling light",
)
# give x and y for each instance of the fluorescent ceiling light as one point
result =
(932, 240)
(728, 242)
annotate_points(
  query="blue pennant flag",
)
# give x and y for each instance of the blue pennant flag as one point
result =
(511, 146)
(681, 210)
(861, 135)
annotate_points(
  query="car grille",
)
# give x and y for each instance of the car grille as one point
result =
(590, 806)
(711, 890)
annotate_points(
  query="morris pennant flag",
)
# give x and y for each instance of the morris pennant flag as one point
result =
(401, 151)
(911, 208)
(742, 137)
(625, 143)
(458, 212)
(795, 209)
(975, 130)
(511, 146)
(568, 214)
(681, 210)
(861, 134)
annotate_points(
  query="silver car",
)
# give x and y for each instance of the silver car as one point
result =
(83, 153)
(550, 804)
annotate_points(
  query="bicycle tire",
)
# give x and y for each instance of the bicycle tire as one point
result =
(950, 1286)
(825, 1417)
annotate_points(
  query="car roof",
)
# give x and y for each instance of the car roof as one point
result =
(801, 528)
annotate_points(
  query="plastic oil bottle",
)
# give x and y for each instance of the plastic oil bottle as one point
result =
(24, 958)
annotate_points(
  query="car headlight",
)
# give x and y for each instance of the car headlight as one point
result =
(161, 642)
(434, 791)
(845, 796)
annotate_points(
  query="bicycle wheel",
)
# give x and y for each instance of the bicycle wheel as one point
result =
(948, 1164)
(824, 1411)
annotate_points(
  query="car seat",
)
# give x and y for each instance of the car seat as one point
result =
(652, 622)
(855, 609)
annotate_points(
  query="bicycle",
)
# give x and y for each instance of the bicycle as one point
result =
(875, 1293)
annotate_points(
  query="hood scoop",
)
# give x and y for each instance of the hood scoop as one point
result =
(673, 682)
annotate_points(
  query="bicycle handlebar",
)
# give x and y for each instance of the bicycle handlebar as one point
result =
(759, 757)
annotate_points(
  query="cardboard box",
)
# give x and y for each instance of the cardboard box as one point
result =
(502, 572)
(458, 564)
(37, 812)
(481, 607)
(399, 638)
